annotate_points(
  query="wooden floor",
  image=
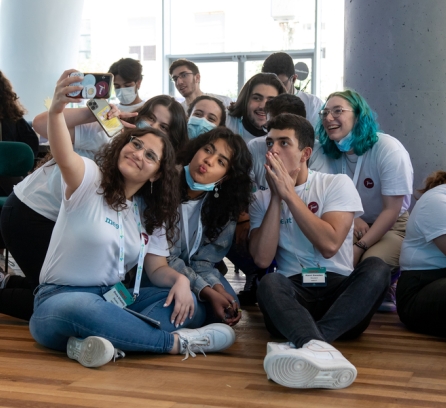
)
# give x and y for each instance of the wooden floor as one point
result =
(396, 368)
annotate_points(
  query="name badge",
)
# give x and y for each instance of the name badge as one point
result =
(119, 296)
(314, 277)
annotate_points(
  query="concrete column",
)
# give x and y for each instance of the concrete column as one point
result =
(395, 56)
(38, 41)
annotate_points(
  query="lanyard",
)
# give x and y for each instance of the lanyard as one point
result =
(142, 248)
(357, 168)
(197, 241)
(305, 200)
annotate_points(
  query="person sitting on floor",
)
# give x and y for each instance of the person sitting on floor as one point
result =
(112, 217)
(421, 289)
(305, 221)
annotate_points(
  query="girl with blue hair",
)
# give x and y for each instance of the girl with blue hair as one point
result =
(380, 166)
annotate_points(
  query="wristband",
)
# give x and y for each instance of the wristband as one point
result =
(362, 245)
(242, 222)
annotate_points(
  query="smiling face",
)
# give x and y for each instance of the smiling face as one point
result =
(209, 110)
(135, 168)
(186, 82)
(211, 162)
(338, 128)
(256, 104)
(160, 118)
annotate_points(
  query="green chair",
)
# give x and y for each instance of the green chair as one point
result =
(16, 160)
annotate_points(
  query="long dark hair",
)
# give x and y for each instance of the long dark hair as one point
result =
(162, 202)
(238, 109)
(10, 107)
(235, 189)
(178, 122)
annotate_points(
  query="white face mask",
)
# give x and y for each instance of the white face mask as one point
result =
(126, 95)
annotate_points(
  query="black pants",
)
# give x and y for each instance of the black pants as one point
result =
(27, 236)
(421, 301)
(341, 310)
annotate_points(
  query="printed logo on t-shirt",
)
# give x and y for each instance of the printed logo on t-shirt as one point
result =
(263, 188)
(368, 183)
(146, 238)
(111, 222)
(287, 221)
(313, 207)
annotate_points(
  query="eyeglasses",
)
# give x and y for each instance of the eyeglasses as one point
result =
(335, 112)
(149, 155)
(182, 75)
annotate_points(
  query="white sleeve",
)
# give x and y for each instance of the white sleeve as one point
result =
(158, 243)
(432, 226)
(341, 195)
(395, 169)
(90, 136)
(257, 209)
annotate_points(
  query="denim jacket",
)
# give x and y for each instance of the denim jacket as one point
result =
(201, 271)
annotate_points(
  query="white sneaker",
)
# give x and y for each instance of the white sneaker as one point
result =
(315, 365)
(92, 351)
(211, 338)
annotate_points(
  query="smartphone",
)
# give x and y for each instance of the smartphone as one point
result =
(100, 108)
(95, 86)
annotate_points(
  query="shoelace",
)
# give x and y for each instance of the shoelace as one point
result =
(187, 344)
(118, 354)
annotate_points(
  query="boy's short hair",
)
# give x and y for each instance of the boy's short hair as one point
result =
(285, 103)
(127, 68)
(279, 63)
(182, 61)
(303, 130)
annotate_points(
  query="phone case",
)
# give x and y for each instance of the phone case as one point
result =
(96, 86)
(100, 108)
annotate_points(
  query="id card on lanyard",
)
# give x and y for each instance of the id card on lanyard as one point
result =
(197, 241)
(119, 290)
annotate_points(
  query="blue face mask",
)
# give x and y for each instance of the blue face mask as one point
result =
(197, 126)
(143, 124)
(194, 186)
(345, 144)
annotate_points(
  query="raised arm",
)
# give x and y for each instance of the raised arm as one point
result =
(70, 163)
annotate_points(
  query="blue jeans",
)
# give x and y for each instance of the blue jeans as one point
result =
(64, 311)
(342, 309)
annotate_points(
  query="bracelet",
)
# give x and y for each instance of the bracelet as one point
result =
(242, 222)
(362, 245)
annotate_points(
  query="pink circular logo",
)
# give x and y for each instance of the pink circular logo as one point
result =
(313, 207)
(368, 183)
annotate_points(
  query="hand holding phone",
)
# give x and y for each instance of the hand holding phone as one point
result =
(95, 86)
(100, 109)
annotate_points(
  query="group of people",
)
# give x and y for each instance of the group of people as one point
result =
(315, 210)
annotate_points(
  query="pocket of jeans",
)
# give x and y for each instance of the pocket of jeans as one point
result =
(45, 291)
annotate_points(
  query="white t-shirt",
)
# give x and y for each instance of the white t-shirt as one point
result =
(321, 193)
(41, 190)
(84, 247)
(190, 213)
(313, 106)
(257, 148)
(426, 222)
(386, 170)
(225, 99)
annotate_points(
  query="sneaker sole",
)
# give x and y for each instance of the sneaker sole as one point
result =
(300, 372)
(90, 352)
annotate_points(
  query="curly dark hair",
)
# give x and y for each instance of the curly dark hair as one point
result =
(127, 68)
(235, 191)
(162, 203)
(178, 122)
(435, 179)
(210, 98)
(10, 107)
(238, 108)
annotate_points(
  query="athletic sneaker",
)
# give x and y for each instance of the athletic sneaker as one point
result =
(315, 365)
(92, 351)
(211, 338)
